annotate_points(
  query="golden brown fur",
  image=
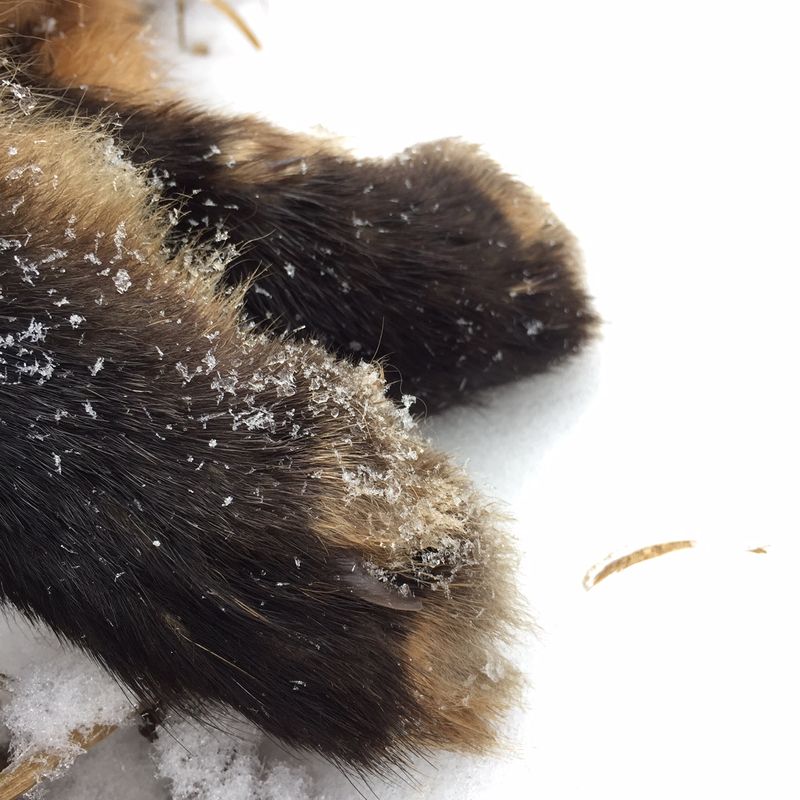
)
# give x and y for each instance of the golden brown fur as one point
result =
(80, 42)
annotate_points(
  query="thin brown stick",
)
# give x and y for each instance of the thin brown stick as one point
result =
(234, 17)
(612, 564)
(18, 778)
(608, 567)
(181, 12)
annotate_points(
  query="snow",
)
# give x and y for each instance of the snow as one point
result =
(203, 764)
(664, 138)
(51, 699)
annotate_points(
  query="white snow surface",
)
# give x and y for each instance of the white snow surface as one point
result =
(52, 698)
(665, 136)
(201, 764)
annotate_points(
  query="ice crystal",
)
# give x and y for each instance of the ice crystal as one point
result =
(122, 280)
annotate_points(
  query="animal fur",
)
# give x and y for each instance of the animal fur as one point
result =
(229, 519)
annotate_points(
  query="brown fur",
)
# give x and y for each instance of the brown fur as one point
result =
(94, 42)
(225, 519)
(451, 273)
(110, 481)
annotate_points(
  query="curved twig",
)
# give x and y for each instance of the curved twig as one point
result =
(21, 777)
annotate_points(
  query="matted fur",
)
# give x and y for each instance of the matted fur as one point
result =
(226, 519)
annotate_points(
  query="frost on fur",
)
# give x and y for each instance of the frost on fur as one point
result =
(225, 519)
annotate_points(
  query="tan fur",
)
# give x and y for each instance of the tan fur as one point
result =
(255, 153)
(96, 42)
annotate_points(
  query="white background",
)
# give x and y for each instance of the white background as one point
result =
(665, 135)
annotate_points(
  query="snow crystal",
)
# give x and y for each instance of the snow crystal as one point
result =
(48, 26)
(122, 280)
(76, 319)
(16, 173)
(183, 371)
(290, 269)
(533, 327)
(259, 419)
(120, 234)
(365, 481)
(29, 270)
(36, 333)
(202, 764)
(22, 95)
(210, 360)
(9, 244)
(97, 366)
(228, 500)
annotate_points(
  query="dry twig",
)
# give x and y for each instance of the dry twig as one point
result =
(227, 10)
(21, 777)
(611, 565)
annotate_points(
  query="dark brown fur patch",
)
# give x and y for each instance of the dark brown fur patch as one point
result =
(452, 274)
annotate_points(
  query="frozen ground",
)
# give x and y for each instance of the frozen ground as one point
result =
(666, 137)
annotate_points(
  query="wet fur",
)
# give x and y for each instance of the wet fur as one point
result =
(226, 519)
